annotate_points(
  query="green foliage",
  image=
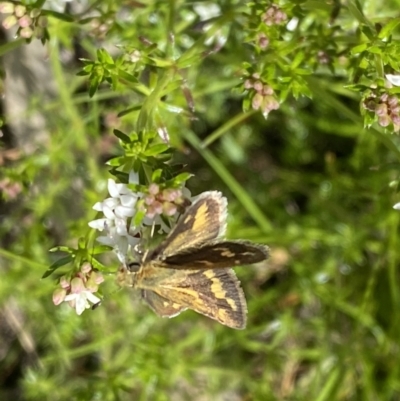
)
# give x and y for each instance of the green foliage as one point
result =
(310, 167)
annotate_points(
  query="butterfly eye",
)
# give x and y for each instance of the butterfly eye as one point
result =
(133, 267)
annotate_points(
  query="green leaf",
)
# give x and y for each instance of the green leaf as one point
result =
(9, 46)
(357, 12)
(94, 84)
(375, 50)
(388, 29)
(38, 3)
(156, 149)
(157, 62)
(139, 216)
(123, 137)
(57, 264)
(359, 49)
(59, 16)
(156, 176)
(97, 265)
(128, 111)
(116, 161)
(126, 76)
(181, 178)
(65, 249)
(100, 249)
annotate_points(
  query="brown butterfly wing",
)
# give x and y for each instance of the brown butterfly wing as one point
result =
(162, 306)
(218, 255)
(204, 221)
(214, 293)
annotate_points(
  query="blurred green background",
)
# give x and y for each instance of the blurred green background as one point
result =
(309, 181)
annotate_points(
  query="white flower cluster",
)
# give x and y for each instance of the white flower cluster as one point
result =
(117, 210)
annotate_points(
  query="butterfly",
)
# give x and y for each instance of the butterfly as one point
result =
(191, 268)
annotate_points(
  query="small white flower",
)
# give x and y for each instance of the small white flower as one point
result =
(397, 206)
(117, 210)
(81, 300)
(80, 296)
(393, 79)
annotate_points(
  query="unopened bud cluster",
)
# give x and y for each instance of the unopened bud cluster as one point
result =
(386, 107)
(29, 22)
(79, 290)
(273, 16)
(264, 98)
(162, 201)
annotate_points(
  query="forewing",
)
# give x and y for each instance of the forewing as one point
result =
(214, 293)
(218, 255)
(204, 221)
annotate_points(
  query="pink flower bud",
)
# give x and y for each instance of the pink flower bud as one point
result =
(148, 200)
(258, 86)
(263, 41)
(9, 22)
(381, 110)
(20, 11)
(169, 209)
(77, 285)
(86, 268)
(257, 101)
(26, 33)
(170, 195)
(59, 296)
(25, 21)
(91, 285)
(384, 121)
(6, 7)
(393, 101)
(64, 282)
(384, 97)
(157, 207)
(248, 84)
(154, 189)
(267, 90)
(97, 277)
(395, 119)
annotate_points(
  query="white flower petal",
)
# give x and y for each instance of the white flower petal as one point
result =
(120, 227)
(81, 303)
(186, 193)
(98, 206)
(111, 202)
(113, 188)
(109, 241)
(123, 189)
(108, 213)
(133, 177)
(70, 297)
(92, 298)
(99, 224)
(128, 200)
(397, 206)
(122, 246)
(393, 79)
(123, 212)
(132, 240)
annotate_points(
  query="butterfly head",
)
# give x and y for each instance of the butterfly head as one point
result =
(126, 275)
